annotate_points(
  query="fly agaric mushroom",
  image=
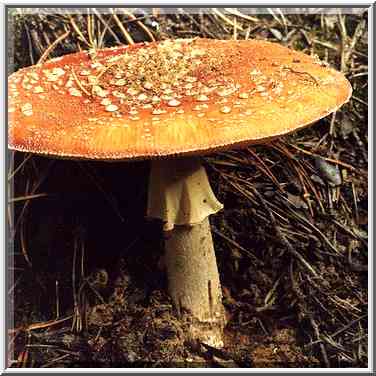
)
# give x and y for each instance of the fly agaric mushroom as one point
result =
(171, 102)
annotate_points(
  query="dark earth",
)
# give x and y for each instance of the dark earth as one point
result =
(87, 284)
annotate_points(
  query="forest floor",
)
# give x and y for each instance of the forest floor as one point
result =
(87, 286)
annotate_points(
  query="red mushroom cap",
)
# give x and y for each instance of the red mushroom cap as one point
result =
(176, 97)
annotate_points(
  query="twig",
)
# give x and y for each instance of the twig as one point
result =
(335, 161)
(27, 197)
(55, 360)
(266, 169)
(322, 346)
(106, 27)
(235, 34)
(322, 236)
(347, 47)
(122, 28)
(78, 31)
(359, 100)
(14, 172)
(203, 28)
(270, 297)
(332, 123)
(284, 238)
(238, 246)
(76, 316)
(79, 83)
(235, 12)
(325, 44)
(57, 299)
(30, 45)
(226, 19)
(89, 25)
(33, 190)
(338, 332)
(23, 244)
(301, 73)
(139, 23)
(270, 10)
(52, 47)
(11, 289)
(39, 325)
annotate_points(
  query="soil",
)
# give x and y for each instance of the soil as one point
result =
(87, 284)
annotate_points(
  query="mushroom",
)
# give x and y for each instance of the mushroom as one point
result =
(173, 101)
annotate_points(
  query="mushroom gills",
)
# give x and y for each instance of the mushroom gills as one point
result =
(181, 196)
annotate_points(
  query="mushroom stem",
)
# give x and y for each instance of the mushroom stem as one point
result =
(193, 280)
(180, 195)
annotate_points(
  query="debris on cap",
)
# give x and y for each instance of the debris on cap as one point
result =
(175, 97)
